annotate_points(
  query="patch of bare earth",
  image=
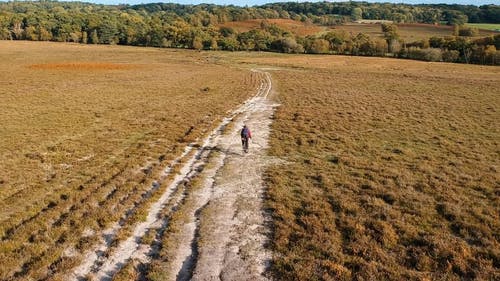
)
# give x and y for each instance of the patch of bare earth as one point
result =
(232, 232)
(82, 66)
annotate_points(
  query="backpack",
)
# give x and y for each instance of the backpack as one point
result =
(245, 133)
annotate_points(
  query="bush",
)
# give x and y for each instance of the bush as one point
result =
(319, 46)
(288, 45)
(492, 55)
(381, 47)
(468, 31)
(394, 46)
(429, 54)
(436, 42)
(450, 55)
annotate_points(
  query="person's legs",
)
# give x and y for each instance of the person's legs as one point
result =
(244, 143)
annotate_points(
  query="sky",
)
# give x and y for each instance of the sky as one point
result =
(260, 2)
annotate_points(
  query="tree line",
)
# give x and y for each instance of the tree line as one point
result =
(424, 13)
(198, 27)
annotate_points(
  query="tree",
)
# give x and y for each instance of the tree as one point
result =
(391, 36)
(18, 31)
(368, 48)
(44, 34)
(454, 17)
(319, 46)
(356, 14)
(228, 43)
(436, 42)
(381, 47)
(464, 46)
(490, 13)
(491, 54)
(213, 44)
(5, 34)
(398, 17)
(108, 33)
(75, 37)
(247, 40)
(496, 40)
(226, 31)
(361, 44)
(424, 43)
(289, 45)
(390, 32)
(337, 40)
(431, 16)
(30, 33)
(394, 46)
(84, 37)
(256, 39)
(197, 43)
(450, 55)
(94, 39)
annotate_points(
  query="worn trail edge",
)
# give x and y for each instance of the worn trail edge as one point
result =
(226, 231)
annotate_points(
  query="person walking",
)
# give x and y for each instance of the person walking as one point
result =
(245, 136)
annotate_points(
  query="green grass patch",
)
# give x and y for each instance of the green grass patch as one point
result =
(488, 26)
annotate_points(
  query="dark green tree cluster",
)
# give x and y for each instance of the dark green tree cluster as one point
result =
(198, 27)
(451, 14)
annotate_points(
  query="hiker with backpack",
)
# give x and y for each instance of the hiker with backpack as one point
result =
(245, 135)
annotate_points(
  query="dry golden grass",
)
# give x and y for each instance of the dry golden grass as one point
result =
(391, 169)
(391, 174)
(84, 132)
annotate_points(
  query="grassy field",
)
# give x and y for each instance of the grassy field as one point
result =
(486, 26)
(390, 166)
(391, 169)
(84, 130)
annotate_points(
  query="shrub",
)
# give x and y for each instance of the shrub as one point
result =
(450, 55)
(394, 46)
(429, 54)
(319, 46)
(492, 55)
(381, 47)
(436, 42)
(468, 31)
(288, 45)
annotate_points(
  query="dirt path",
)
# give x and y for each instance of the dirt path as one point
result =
(230, 221)
(225, 234)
